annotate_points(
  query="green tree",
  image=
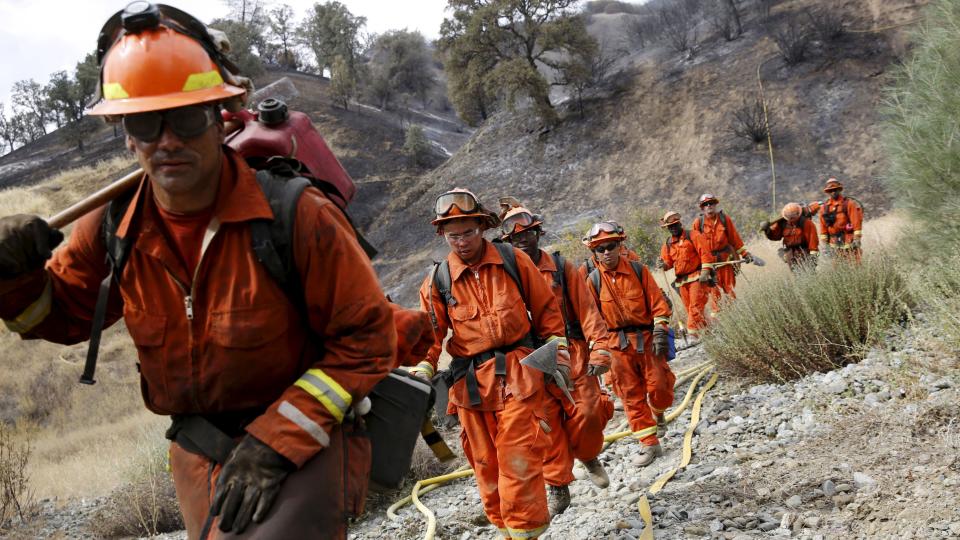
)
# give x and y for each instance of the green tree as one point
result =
(416, 146)
(7, 134)
(245, 39)
(517, 36)
(400, 63)
(343, 83)
(30, 98)
(282, 29)
(329, 31)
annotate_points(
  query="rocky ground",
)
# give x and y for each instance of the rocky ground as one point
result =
(866, 451)
(871, 450)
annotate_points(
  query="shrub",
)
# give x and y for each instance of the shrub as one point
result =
(750, 122)
(936, 286)
(16, 497)
(784, 327)
(827, 24)
(47, 393)
(921, 135)
(793, 41)
(416, 146)
(679, 27)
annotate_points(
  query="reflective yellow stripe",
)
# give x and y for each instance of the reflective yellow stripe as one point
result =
(562, 341)
(326, 390)
(815, 252)
(426, 368)
(823, 237)
(202, 81)
(527, 533)
(35, 312)
(659, 320)
(742, 250)
(646, 432)
(858, 233)
(114, 91)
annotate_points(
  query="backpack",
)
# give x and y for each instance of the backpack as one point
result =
(700, 220)
(573, 328)
(595, 280)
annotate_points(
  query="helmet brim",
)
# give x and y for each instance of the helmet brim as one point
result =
(119, 107)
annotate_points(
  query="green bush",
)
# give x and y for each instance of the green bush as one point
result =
(936, 286)
(922, 136)
(784, 327)
(416, 146)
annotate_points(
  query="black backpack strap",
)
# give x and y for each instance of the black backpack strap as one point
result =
(443, 282)
(272, 241)
(559, 279)
(118, 251)
(510, 265)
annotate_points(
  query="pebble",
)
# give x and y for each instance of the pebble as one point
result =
(842, 499)
(795, 501)
(862, 480)
(829, 488)
(812, 522)
(768, 526)
(838, 386)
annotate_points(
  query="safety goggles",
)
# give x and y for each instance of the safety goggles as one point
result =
(604, 226)
(461, 199)
(185, 122)
(454, 238)
(603, 248)
(509, 225)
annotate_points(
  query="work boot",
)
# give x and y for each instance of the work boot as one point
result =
(596, 472)
(558, 499)
(648, 454)
(661, 425)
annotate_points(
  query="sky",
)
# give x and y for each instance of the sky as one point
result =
(39, 37)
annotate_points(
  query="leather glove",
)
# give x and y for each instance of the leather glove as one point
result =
(706, 277)
(661, 341)
(565, 375)
(661, 264)
(748, 258)
(766, 227)
(596, 370)
(26, 242)
(248, 484)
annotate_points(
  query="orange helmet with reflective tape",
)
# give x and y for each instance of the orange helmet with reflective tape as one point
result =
(792, 211)
(460, 203)
(670, 218)
(832, 185)
(154, 57)
(603, 232)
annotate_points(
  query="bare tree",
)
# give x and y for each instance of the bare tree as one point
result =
(679, 26)
(30, 97)
(725, 19)
(793, 40)
(6, 131)
(749, 121)
(827, 24)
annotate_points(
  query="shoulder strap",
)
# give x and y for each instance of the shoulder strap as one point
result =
(118, 251)
(272, 241)
(638, 270)
(595, 280)
(510, 265)
(443, 282)
(699, 222)
(559, 279)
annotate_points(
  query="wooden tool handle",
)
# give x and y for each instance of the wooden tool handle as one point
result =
(94, 201)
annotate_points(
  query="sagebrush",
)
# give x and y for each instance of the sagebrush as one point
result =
(16, 496)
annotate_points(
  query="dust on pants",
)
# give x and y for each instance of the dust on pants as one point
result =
(694, 299)
(576, 430)
(645, 385)
(505, 449)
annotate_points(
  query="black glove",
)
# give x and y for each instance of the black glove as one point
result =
(748, 258)
(26, 242)
(248, 484)
(661, 264)
(661, 341)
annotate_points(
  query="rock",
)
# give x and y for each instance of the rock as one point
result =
(862, 480)
(795, 501)
(812, 522)
(631, 498)
(842, 500)
(716, 499)
(829, 488)
(843, 488)
(768, 526)
(787, 520)
(838, 386)
(716, 526)
(623, 525)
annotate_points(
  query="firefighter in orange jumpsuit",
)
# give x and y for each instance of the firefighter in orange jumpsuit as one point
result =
(841, 222)
(680, 253)
(265, 391)
(799, 236)
(499, 401)
(720, 249)
(636, 311)
(577, 430)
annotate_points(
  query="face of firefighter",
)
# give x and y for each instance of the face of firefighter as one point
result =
(465, 237)
(608, 254)
(184, 172)
(835, 194)
(710, 209)
(675, 229)
(527, 241)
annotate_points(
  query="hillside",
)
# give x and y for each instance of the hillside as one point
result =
(664, 139)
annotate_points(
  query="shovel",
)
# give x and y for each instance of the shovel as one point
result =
(544, 360)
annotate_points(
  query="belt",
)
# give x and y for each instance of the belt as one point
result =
(636, 330)
(718, 252)
(466, 367)
(682, 279)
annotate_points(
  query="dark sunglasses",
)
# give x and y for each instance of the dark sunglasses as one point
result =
(184, 122)
(603, 248)
(706, 204)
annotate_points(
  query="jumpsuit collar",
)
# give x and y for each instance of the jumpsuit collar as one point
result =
(457, 266)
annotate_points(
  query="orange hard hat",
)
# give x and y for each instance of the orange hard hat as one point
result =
(154, 57)
(603, 232)
(705, 198)
(832, 185)
(517, 220)
(670, 218)
(460, 203)
(792, 211)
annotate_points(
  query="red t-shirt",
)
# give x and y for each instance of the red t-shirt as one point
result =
(185, 232)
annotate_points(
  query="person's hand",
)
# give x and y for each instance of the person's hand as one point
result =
(706, 277)
(424, 370)
(661, 341)
(26, 242)
(661, 264)
(565, 375)
(596, 370)
(748, 258)
(248, 484)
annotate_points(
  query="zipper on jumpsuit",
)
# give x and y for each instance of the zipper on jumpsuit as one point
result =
(485, 310)
(189, 293)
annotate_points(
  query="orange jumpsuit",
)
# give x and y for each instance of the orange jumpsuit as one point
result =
(502, 436)
(241, 355)
(799, 240)
(577, 430)
(630, 308)
(719, 242)
(841, 221)
(681, 254)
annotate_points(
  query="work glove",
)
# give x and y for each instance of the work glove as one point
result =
(661, 264)
(766, 227)
(707, 277)
(596, 370)
(748, 258)
(855, 244)
(248, 484)
(599, 363)
(661, 341)
(565, 371)
(424, 370)
(26, 242)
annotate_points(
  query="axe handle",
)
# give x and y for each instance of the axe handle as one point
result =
(92, 202)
